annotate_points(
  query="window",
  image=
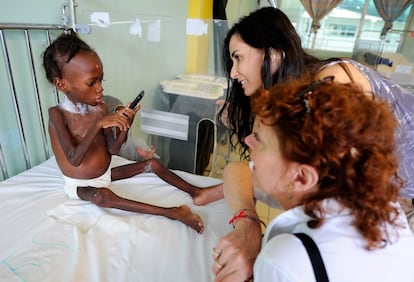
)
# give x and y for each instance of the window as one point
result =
(342, 29)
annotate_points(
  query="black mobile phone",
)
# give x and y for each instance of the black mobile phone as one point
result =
(136, 100)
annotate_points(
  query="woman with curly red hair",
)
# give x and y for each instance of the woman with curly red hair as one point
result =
(330, 161)
(263, 49)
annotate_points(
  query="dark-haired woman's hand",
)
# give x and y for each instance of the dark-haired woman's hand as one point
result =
(236, 252)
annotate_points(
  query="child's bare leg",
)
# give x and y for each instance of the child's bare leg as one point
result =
(201, 196)
(87, 193)
(129, 170)
(105, 198)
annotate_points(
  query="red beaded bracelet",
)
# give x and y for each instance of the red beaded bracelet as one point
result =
(242, 214)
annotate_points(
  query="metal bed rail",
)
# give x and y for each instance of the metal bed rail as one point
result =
(8, 69)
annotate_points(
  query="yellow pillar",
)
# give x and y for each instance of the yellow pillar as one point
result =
(198, 45)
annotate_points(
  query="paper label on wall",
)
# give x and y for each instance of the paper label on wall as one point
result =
(101, 19)
(154, 31)
(196, 27)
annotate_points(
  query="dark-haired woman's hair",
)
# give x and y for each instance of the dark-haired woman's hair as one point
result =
(266, 29)
(60, 52)
(349, 138)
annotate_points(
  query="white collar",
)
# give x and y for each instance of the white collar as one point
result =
(289, 220)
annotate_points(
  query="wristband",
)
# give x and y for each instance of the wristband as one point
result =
(243, 214)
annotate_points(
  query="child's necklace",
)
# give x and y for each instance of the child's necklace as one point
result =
(78, 108)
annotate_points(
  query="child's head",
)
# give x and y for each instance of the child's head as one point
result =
(60, 52)
(75, 68)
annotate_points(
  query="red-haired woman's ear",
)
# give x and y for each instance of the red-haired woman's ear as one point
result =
(307, 176)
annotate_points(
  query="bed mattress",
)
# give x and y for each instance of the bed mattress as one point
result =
(47, 237)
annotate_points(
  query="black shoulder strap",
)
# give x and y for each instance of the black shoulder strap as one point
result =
(315, 257)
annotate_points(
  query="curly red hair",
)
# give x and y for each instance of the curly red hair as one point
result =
(348, 137)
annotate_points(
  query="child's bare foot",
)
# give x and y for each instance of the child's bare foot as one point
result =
(184, 214)
(207, 195)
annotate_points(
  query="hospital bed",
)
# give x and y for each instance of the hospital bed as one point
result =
(47, 237)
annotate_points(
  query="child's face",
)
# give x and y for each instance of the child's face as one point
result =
(82, 79)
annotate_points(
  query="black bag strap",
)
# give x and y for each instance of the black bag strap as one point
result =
(315, 257)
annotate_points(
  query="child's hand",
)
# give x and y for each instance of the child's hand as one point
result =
(127, 112)
(118, 120)
(146, 155)
(137, 107)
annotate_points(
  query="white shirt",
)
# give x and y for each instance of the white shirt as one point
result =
(284, 258)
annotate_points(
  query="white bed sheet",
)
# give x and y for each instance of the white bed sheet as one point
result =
(103, 244)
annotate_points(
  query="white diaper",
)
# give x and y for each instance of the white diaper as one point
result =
(72, 184)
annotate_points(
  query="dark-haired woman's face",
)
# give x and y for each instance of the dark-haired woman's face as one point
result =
(247, 63)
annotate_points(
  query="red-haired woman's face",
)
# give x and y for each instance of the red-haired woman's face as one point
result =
(270, 171)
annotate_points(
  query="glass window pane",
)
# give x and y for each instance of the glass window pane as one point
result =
(339, 30)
